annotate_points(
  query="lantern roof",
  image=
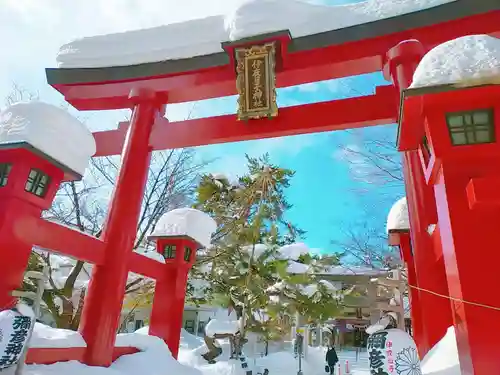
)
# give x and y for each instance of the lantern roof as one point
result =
(51, 131)
(398, 218)
(186, 222)
(465, 61)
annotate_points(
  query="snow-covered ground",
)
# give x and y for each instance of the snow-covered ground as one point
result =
(155, 358)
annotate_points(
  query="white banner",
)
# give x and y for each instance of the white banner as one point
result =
(393, 352)
(15, 330)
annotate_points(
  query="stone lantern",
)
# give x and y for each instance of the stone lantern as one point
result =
(179, 234)
(450, 115)
(40, 146)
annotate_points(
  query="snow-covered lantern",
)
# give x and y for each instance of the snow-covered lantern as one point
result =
(398, 221)
(448, 113)
(178, 235)
(398, 228)
(40, 146)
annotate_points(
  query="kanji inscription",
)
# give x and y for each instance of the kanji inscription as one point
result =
(256, 82)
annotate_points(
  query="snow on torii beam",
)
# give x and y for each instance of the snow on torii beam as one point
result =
(338, 53)
(378, 109)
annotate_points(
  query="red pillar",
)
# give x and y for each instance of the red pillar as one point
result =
(168, 304)
(418, 330)
(16, 204)
(402, 60)
(470, 236)
(101, 314)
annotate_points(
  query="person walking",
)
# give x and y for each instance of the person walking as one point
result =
(332, 359)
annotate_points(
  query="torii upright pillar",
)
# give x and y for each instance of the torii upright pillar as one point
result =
(401, 62)
(101, 314)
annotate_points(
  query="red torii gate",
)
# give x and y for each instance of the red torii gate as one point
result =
(331, 55)
(148, 87)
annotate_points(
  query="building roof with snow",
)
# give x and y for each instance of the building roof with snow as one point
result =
(467, 61)
(186, 222)
(398, 218)
(50, 130)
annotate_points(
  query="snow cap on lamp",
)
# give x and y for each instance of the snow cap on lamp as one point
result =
(49, 130)
(398, 218)
(186, 222)
(470, 59)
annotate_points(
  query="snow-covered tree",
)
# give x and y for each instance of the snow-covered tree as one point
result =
(254, 250)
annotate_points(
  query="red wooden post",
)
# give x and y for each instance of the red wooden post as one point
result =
(401, 238)
(17, 204)
(170, 293)
(418, 324)
(178, 235)
(101, 314)
(402, 60)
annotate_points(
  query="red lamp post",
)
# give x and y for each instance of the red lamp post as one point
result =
(398, 229)
(178, 235)
(32, 166)
(455, 130)
(401, 63)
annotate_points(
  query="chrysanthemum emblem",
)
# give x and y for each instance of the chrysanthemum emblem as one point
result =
(407, 362)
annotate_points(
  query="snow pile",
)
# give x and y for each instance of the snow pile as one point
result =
(311, 289)
(277, 287)
(398, 218)
(189, 340)
(154, 352)
(154, 358)
(442, 359)
(258, 250)
(254, 17)
(48, 337)
(297, 268)
(222, 327)
(293, 251)
(186, 222)
(278, 362)
(351, 270)
(469, 58)
(247, 18)
(49, 129)
(152, 254)
(198, 287)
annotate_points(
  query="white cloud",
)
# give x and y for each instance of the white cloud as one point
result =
(33, 30)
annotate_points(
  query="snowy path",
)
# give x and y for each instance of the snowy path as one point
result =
(361, 367)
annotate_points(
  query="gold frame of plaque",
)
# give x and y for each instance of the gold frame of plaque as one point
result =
(256, 81)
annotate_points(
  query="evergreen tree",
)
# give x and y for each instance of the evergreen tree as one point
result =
(246, 259)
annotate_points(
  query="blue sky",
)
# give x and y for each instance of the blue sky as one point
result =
(323, 189)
